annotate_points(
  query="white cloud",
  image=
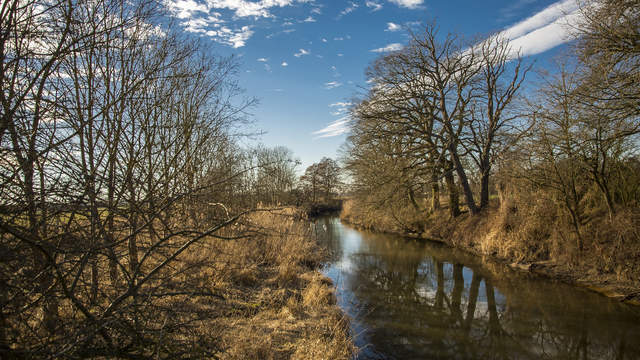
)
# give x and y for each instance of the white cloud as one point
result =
(284, 64)
(263, 59)
(389, 48)
(348, 10)
(183, 9)
(239, 38)
(409, 4)
(309, 20)
(336, 128)
(544, 17)
(302, 52)
(324, 40)
(393, 27)
(544, 30)
(332, 85)
(374, 6)
(200, 17)
(244, 8)
(341, 108)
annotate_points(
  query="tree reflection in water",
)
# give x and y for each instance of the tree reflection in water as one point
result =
(414, 300)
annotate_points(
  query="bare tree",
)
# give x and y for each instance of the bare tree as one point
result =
(493, 122)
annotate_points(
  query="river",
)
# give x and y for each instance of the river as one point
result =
(410, 299)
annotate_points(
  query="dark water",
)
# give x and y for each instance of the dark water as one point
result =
(411, 300)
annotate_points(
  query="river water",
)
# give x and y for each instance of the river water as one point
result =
(408, 299)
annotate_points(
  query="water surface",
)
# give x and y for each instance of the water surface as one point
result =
(413, 300)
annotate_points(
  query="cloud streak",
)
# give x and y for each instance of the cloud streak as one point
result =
(388, 48)
(332, 85)
(335, 128)
(393, 27)
(374, 6)
(409, 4)
(544, 30)
(302, 52)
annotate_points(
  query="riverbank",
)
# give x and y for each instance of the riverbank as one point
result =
(276, 303)
(496, 234)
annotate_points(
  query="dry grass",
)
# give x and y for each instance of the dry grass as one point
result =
(250, 292)
(390, 217)
(285, 308)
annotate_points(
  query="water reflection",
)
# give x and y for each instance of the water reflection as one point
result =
(410, 300)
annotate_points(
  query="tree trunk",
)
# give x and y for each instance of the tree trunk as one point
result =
(435, 192)
(454, 196)
(412, 199)
(484, 189)
(464, 181)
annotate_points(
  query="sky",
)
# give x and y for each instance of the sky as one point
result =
(305, 60)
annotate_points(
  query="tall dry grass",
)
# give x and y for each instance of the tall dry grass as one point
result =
(386, 217)
(278, 306)
(249, 291)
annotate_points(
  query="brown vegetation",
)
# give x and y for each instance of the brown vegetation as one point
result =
(129, 225)
(555, 172)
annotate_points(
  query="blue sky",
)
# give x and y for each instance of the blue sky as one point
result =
(305, 59)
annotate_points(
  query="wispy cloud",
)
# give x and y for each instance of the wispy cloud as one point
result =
(389, 48)
(302, 52)
(393, 27)
(336, 73)
(351, 8)
(309, 19)
(340, 104)
(544, 30)
(332, 85)
(184, 9)
(263, 59)
(409, 4)
(335, 128)
(340, 108)
(374, 6)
